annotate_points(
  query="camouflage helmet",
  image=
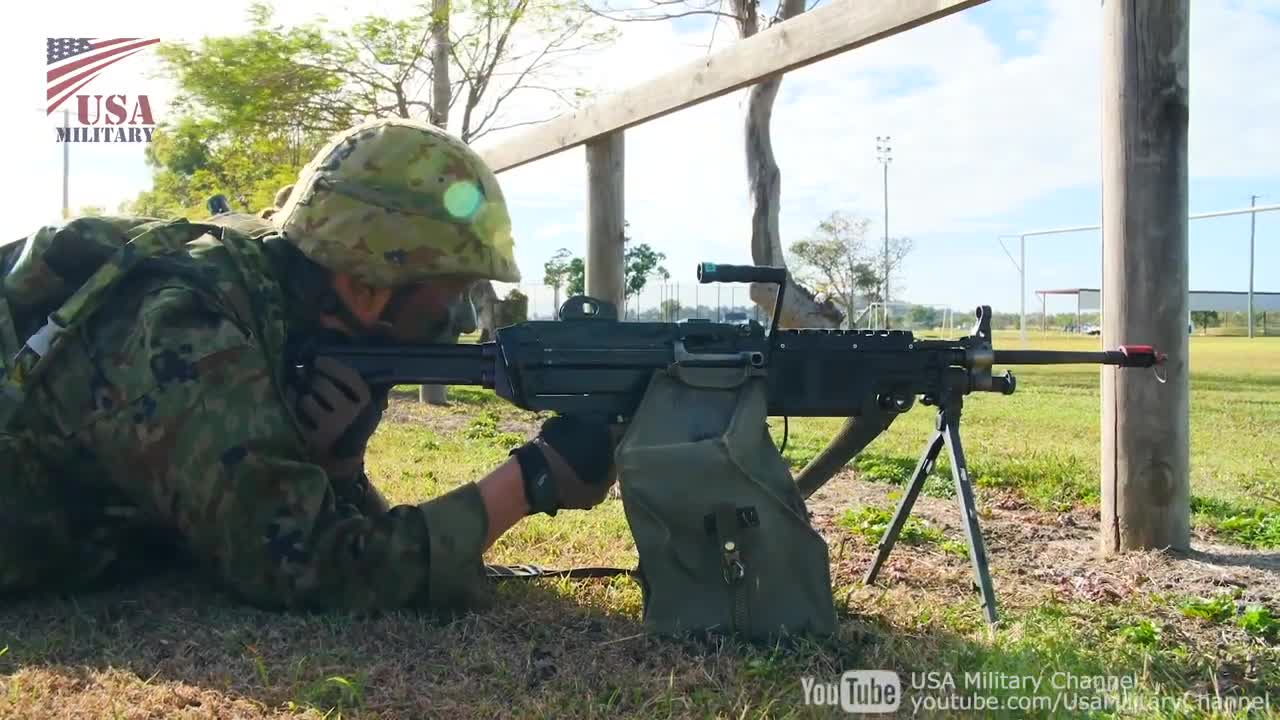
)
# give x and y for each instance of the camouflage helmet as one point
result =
(396, 201)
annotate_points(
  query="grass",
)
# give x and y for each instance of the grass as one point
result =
(1202, 630)
(1043, 440)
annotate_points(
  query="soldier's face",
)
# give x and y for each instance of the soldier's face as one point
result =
(436, 310)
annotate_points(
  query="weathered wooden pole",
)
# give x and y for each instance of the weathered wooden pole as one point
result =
(605, 218)
(1145, 427)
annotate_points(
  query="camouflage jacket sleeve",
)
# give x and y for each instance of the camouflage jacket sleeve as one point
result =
(178, 403)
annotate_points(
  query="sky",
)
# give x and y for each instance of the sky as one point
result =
(994, 115)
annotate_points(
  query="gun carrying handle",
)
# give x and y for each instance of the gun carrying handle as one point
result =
(715, 272)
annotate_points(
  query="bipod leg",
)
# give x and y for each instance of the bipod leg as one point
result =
(923, 468)
(969, 511)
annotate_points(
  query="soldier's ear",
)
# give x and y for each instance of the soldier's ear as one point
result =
(364, 301)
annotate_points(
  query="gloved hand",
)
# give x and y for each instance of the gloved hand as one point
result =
(568, 465)
(338, 413)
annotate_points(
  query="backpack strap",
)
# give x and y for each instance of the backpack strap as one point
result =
(24, 367)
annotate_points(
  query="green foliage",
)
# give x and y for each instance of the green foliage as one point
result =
(514, 308)
(556, 270)
(1217, 609)
(883, 468)
(1258, 529)
(641, 261)
(576, 277)
(1258, 620)
(1203, 319)
(1254, 527)
(483, 426)
(331, 693)
(954, 547)
(923, 316)
(836, 260)
(252, 108)
(1143, 632)
(870, 523)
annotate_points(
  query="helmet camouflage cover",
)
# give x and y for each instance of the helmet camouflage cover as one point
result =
(396, 201)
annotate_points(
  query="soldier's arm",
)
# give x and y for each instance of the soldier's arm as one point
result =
(223, 460)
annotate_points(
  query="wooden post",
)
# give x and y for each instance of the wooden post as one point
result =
(1145, 426)
(605, 218)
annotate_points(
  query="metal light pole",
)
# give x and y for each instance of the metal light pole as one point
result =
(883, 154)
(1253, 226)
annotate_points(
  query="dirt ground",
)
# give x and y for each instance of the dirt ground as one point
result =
(1033, 552)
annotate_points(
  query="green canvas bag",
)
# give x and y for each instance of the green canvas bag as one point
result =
(723, 535)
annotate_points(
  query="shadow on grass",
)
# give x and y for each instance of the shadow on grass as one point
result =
(179, 633)
(552, 648)
(1256, 560)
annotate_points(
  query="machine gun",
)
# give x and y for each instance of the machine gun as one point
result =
(589, 363)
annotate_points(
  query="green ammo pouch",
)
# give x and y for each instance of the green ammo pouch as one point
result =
(723, 534)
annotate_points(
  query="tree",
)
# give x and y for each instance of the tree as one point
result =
(556, 271)
(836, 260)
(669, 310)
(318, 78)
(494, 313)
(764, 179)
(193, 159)
(923, 316)
(576, 278)
(1204, 318)
(252, 108)
(641, 261)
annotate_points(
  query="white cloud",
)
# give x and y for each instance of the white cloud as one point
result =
(977, 133)
(981, 135)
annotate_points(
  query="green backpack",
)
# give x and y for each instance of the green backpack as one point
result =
(54, 279)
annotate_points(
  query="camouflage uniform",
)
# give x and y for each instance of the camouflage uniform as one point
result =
(160, 427)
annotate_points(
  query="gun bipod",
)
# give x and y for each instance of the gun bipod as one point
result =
(947, 433)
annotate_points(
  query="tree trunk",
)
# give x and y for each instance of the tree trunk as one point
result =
(764, 181)
(486, 302)
(440, 91)
(800, 309)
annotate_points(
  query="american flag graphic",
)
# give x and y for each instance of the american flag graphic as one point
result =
(73, 62)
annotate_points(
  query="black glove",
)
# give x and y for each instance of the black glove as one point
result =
(569, 464)
(338, 413)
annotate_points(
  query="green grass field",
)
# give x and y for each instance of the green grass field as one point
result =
(1044, 440)
(1203, 628)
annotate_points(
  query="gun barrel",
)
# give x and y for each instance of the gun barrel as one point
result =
(419, 364)
(1124, 356)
